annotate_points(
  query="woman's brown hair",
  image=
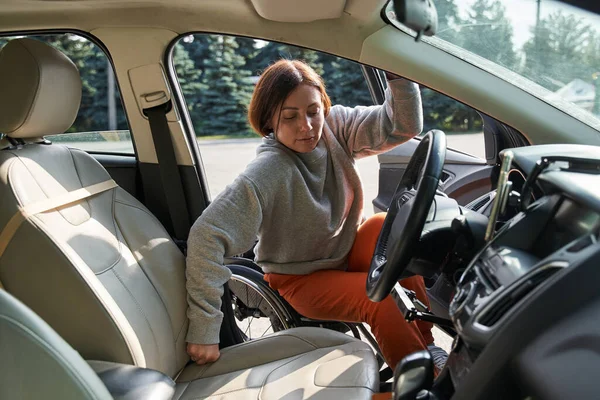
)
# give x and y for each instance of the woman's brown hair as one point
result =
(275, 85)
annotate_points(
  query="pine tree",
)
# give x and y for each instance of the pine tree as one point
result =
(275, 51)
(224, 103)
(488, 33)
(197, 48)
(559, 40)
(445, 113)
(591, 53)
(348, 85)
(328, 62)
(448, 20)
(95, 74)
(248, 51)
(189, 78)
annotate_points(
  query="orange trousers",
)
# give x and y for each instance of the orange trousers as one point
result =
(341, 296)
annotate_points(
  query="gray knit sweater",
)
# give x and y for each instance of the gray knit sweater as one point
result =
(304, 208)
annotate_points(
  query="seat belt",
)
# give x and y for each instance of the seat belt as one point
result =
(49, 204)
(169, 171)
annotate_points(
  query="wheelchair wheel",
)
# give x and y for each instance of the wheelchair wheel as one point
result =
(257, 310)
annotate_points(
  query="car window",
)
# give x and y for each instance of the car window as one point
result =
(100, 125)
(462, 125)
(217, 74)
(547, 48)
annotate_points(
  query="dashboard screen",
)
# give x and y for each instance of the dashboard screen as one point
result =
(570, 222)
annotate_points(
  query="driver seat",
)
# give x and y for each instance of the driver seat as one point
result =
(101, 270)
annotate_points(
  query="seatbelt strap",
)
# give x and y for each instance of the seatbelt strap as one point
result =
(169, 170)
(49, 204)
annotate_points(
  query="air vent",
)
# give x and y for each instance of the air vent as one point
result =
(491, 315)
(487, 278)
(444, 178)
(479, 203)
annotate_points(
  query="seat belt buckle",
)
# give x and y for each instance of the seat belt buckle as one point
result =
(156, 100)
(151, 89)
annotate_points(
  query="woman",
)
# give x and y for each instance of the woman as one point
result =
(302, 197)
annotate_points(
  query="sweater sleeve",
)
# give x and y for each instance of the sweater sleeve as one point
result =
(365, 131)
(228, 226)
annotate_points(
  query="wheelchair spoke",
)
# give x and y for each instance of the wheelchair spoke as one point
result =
(248, 332)
(269, 327)
(255, 314)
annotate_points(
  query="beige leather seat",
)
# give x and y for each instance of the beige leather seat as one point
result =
(104, 273)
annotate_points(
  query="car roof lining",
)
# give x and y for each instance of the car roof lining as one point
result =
(296, 11)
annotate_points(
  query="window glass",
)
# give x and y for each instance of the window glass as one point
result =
(217, 75)
(548, 48)
(100, 124)
(462, 125)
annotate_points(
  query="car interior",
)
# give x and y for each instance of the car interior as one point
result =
(92, 244)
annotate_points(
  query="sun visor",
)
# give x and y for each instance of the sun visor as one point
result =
(299, 11)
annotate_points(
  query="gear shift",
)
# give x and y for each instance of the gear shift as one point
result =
(413, 376)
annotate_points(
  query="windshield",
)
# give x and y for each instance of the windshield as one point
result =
(548, 48)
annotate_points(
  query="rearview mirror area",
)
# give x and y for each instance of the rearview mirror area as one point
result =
(418, 15)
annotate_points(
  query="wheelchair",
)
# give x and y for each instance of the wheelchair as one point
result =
(259, 310)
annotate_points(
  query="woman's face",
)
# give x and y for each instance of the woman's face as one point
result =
(298, 124)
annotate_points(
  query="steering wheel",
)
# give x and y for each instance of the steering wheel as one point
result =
(406, 215)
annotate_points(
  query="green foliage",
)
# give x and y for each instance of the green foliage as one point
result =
(223, 104)
(488, 33)
(187, 73)
(549, 55)
(248, 50)
(448, 20)
(444, 113)
(274, 51)
(558, 40)
(197, 48)
(347, 84)
(189, 77)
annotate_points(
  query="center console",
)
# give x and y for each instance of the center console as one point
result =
(526, 305)
(527, 251)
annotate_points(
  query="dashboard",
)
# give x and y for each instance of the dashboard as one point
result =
(526, 307)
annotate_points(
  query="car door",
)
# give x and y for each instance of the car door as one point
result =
(465, 177)
(473, 143)
(467, 172)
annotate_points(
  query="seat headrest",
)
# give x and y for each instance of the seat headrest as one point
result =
(40, 90)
